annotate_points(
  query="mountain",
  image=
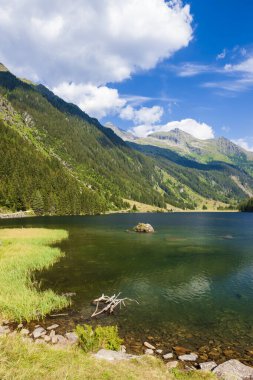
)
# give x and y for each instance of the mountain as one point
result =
(56, 159)
(44, 132)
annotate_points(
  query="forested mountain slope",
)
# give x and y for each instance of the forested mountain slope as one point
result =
(55, 159)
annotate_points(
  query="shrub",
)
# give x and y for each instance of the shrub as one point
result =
(101, 337)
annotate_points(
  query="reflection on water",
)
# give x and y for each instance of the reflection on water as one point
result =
(193, 278)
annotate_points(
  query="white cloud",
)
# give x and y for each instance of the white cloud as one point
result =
(199, 130)
(96, 101)
(146, 115)
(222, 55)
(244, 143)
(83, 41)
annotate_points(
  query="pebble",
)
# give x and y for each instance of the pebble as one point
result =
(38, 332)
(168, 356)
(52, 333)
(159, 352)
(188, 357)
(148, 345)
(54, 339)
(47, 338)
(72, 337)
(207, 366)
(148, 351)
(53, 327)
(171, 365)
(20, 326)
(24, 332)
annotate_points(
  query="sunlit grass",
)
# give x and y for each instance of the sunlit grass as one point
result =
(22, 251)
(29, 361)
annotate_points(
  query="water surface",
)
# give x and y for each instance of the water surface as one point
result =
(193, 278)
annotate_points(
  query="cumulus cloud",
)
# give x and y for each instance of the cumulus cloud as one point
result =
(83, 41)
(222, 55)
(96, 101)
(245, 144)
(146, 115)
(199, 130)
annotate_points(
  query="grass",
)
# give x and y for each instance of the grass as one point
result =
(22, 251)
(27, 361)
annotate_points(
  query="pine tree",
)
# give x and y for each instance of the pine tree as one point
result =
(37, 203)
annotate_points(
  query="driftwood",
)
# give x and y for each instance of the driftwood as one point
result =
(110, 302)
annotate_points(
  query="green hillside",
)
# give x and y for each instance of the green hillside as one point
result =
(56, 159)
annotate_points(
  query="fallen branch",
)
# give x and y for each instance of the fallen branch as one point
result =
(111, 303)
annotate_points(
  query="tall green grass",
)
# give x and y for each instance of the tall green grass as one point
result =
(22, 251)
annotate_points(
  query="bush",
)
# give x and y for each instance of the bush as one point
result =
(101, 337)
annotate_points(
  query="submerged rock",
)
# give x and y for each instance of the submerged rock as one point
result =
(233, 370)
(148, 345)
(144, 227)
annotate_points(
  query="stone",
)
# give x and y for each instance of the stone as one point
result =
(233, 370)
(72, 337)
(52, 333)
(53, 327)
(181, 350)
(207, 366)
(168, 356)
(110, 355)
(47, 338)
(4, 330)
(148, 345)
(173, 364)
(159, 352)
(38, 332)
(144, 228)
(54, 339)
(24, 332)
(122, 349)
(148, 351)
(20, 326)
(188, 357)
(61, 340)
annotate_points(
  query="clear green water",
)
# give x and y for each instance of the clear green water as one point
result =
(193, 278)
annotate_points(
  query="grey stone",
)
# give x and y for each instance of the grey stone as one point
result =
(38, 332)
(20, 326)
(149, 351)
(168, 356)
(61, 340)
(4, 330)
(24, 332)
(159, 352)
(52, 333)
(188, 357)
(54, 339)
(148, 345)
(233, 370)
(53, 327)
(207, 366)
(171, 365)
(47, 338)
(113, 355)
(72, 337)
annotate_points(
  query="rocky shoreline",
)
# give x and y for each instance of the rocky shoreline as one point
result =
(14, 215)
(178, 357)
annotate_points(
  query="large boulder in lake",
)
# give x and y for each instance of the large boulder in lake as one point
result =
(144, 228)
(233, 370)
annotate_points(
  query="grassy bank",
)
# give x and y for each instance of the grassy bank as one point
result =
(25, 360)
(23, 251)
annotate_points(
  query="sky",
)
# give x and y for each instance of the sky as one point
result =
(144, 65)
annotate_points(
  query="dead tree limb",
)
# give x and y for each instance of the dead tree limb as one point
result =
(110, 303)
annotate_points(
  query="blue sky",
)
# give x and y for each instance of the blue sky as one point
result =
(143, 65)
(223, 35)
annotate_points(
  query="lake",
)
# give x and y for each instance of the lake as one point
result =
(193, 278)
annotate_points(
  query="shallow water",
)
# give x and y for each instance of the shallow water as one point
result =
(193, 278)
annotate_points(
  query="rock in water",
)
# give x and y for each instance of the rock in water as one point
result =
(233, 370)
(144, 227)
